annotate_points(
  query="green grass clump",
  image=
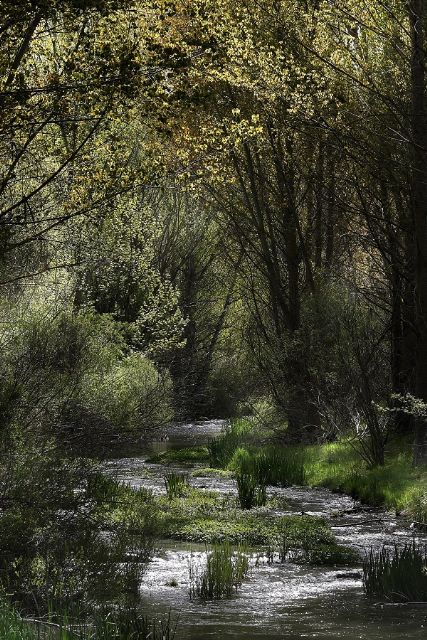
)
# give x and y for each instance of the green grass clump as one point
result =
(251, 493)
(277, 466)
(12, 627)
(188, 455)
(398, 575)
(176, 485)
(224, 573)
(221, 449)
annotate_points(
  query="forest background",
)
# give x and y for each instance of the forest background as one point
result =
(206, 210)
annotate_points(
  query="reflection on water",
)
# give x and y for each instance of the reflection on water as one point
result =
(283, 601)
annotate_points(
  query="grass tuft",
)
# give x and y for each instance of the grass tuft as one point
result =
(224, 573)
(398, 575)
(176, 485)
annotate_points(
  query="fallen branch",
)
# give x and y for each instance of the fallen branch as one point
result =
(357, 524)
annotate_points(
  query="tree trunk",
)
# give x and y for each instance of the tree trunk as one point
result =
(419, 207)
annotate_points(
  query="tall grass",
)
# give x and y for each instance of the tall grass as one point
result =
(118, 624)
(12, 627)
(250, 492)
(222, 448)
(270, 466)
(224, 573)
(175, 484)
(398, 575)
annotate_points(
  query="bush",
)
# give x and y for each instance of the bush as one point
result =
(131, 395)
(53, 526)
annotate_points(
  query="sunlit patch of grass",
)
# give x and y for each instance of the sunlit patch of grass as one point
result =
(397, 485)
(188, 455)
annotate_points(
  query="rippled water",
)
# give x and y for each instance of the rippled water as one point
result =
(278, 600)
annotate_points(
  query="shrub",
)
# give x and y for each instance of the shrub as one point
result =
(131, 395)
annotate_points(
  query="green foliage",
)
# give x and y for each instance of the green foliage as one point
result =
(131, 395)
(250, 492)
(176, 485)
(235, 434)
(398, 575)
(397, 485)
(225, 571)
(11, 625)
(188, 455)
(207, 517)
(277, 466)
(104, 624)
(54, 547)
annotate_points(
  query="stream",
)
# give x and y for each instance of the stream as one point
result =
(277, 601)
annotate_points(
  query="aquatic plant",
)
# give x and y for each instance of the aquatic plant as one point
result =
(102, 624)
(280, 466)
(397, 574)
(175, 484)
(225, 570)
(251, 493)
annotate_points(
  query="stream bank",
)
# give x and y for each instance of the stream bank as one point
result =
(279, 600)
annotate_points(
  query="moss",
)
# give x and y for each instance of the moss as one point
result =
(189, 455)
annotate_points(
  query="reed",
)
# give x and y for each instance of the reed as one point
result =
(104, 624)
(176, 484)
(398, 574)
(224, 573)
(251, 493)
